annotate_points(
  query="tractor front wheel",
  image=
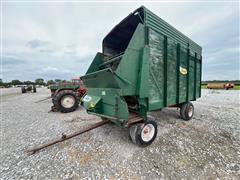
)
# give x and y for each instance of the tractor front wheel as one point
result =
(143, 134)
(66, 101)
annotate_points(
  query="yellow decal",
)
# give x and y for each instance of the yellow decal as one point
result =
(183, 70)
(92, 105)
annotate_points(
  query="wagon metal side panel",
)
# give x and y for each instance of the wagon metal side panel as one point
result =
(167, 85)
(191, 77)
(159, 25)
(175, 64)
(182, 77)
(156, 70)
(128, 68)
(198, 71)
(171, 72)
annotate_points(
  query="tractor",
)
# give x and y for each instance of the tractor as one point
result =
(66, 95)
(29, 88)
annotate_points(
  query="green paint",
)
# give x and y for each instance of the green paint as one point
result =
(177, 72)
(165, 69)
(140, 67)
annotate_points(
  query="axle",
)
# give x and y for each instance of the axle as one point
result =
(64, 137)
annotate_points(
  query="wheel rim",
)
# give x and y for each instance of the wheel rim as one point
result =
(148, 132)
(190, 111)
(68, 101)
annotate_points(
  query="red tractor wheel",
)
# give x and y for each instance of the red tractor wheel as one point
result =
(66, 101)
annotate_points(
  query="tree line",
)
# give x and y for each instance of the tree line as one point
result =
(38, 81)
(42, 82)
(236, 82)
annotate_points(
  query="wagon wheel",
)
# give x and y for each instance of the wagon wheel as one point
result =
(186, 111)
(144, 134)
(28, 88)
(66, 101)
(23, 90)
(34, 89)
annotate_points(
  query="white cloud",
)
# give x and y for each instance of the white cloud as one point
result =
(208, 17)
(75, 32)
(49, 69)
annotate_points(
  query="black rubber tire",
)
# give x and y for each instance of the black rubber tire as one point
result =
(53, 92)
(135, 132)
(23, 90)
(52, 96)
(34, 89)
(28, 88)
(58, 97)
(184, 111)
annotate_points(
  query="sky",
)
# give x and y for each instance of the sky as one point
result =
(59, 40)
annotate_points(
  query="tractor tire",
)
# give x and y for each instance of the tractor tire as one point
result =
(143, 134)
(53, 92)
(53, 96)
(66, 101)
(186, 111)
(34, 89)
(23, 90)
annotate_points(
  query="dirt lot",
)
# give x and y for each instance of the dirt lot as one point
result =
(207, 147)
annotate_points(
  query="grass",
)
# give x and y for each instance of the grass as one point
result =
(236, 87)
(204, 86)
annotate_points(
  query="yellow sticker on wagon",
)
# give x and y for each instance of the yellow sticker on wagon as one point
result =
(183, 70)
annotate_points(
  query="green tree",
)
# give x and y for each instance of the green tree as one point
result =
(58, 80)
(16, 82)
(50, 82)
(28, 82)
(40, 81)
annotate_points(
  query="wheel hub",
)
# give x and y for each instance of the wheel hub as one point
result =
(148, 132)
(190, 111)
(67, 101)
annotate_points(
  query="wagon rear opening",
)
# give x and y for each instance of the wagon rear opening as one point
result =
(105, 64)
(116, 42)
(119, 37)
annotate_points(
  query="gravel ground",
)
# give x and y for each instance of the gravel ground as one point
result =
(207, 147)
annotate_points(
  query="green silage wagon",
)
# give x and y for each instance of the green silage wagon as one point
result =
(145, 65)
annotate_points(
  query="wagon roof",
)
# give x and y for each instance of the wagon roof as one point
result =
(154, 22)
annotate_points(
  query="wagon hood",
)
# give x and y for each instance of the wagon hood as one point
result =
(103, 98)
(105, 78)
(90, 102)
